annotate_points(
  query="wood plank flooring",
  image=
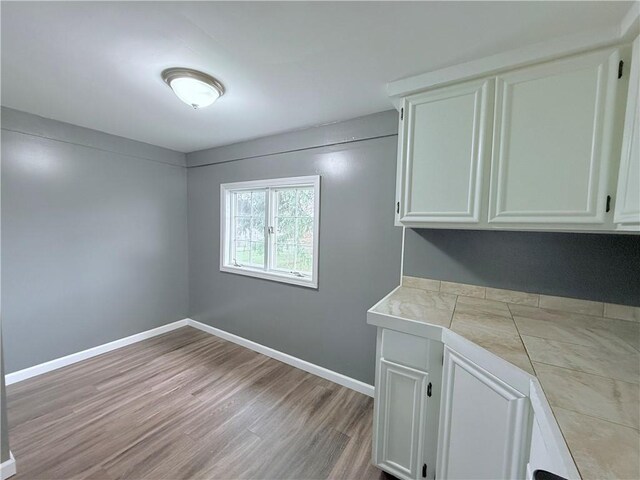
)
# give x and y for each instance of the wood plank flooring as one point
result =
(186, 405)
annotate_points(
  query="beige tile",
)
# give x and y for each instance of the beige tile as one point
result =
(474, 305)
(601, 449)
(423, 283)
(469, 315)
(412, 311)
(623, 365)
(603, 333)
(511, 296)
(423, 297)
(622, 312)
(462, 289)
(506, 346)
(549, 315)
(484, 320)
(605, 398)
(572, 305)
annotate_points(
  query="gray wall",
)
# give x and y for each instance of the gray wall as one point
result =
(4, 425)
(94, 238)
(598, 267)
(359, 246)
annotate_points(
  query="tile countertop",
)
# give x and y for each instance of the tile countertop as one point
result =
(588, 364)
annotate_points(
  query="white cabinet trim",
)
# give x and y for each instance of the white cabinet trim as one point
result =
(629, 214)
(546, 51)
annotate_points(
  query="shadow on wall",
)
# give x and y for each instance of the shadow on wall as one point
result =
(600, 267)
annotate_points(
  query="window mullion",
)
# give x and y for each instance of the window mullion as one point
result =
(232, 229)
(269, 226)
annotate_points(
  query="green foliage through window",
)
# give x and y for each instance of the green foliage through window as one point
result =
(294, 229)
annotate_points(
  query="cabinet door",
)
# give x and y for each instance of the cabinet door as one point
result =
(483, 424)
(627, 209)
(400, 412)
(554, 141)
(443, 150)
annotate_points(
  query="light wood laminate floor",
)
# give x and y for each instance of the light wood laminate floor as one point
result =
(187, 404)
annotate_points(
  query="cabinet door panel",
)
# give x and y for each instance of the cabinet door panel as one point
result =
(400, 415)
(553, 141)
(482, 426)
(443, 153)
(627, 209)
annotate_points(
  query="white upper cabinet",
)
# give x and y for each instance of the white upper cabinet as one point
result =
(443, 153)
(533, 148)
(552, 141)
(627, 208)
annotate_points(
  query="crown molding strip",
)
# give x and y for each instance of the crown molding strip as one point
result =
(536, 53)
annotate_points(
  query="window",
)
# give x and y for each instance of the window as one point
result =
(269, 229)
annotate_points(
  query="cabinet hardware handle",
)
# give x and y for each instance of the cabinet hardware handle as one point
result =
(608, 209)
(429, 390)
(424, 471)
(620, 68)
(398, 207)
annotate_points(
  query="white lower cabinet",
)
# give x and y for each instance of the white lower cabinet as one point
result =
(484, 424)
(439, 415)
(400, 415)
(406, 405)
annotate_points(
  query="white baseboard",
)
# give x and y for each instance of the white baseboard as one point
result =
(325, 373)
(20, 375)
(8, 468)
(330, 375)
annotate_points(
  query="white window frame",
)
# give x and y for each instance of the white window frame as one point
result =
(226, 217)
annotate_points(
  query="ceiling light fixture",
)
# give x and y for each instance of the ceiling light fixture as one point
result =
(194, 88)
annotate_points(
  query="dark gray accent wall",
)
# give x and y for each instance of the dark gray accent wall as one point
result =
(599, 267)
(94, 238)
(359, 246)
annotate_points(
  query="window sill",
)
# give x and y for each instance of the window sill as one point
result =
(276, 277)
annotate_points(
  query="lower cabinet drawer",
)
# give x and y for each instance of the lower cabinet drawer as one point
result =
(409, 350)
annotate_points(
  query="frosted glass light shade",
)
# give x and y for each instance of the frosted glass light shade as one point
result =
(194, 92)
(194, 88)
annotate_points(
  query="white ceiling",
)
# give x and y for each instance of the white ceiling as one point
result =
(285, 65)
